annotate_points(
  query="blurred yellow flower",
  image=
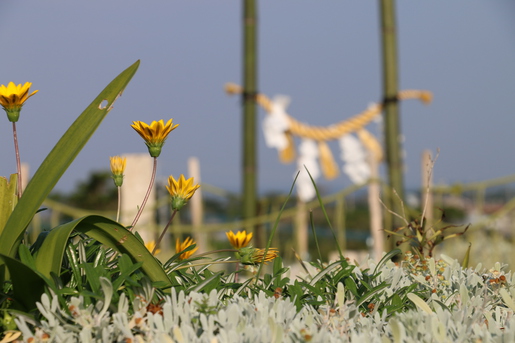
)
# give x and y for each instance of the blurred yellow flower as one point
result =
(180, 191)
(117, 169)
(239, 240)
(13, 97)
(151, 245)
(182, 246)
(255, 256)
(154, 134)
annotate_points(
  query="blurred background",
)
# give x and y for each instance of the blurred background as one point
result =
(326, 56)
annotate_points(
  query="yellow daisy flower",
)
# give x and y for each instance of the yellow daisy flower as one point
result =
(182, 246)
(180, 191)
(254, 256)
(117, 169)
(239, 240)
(154, 134)
(13, 97)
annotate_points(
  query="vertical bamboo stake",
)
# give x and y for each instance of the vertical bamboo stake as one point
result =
(391, 110)
(249, 113)
(197, 212)
(374, 206)
(340, 222)
(300, 228)
(427, 193)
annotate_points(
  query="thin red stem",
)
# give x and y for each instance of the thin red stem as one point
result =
(164, 231)
(152, 179)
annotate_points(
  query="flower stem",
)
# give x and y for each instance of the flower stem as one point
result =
(164, 231)
(152, 179)
(18, 163)
(205, 264)
(216, 251)
(119, 203)
(236, 272)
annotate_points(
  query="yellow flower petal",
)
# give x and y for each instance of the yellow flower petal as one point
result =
(181, 190)
(257, 257)
(239, 240)
(13, 97)
(154, 133)
(182, 246)
(118, 164)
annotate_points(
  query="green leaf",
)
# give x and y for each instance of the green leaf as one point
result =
(26, 257)
(324, 272)
(107, 232)
(58, 160)
(209, 283)
(367, 296)
(75, 281)
(351, 286)
(93, 276)
(28, 285)
(127, 268)
(8, 198)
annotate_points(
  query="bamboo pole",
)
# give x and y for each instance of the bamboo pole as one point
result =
(249, 114)
(340, 222)
(391, 112)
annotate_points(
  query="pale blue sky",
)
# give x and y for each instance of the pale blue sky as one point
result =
(324, 54)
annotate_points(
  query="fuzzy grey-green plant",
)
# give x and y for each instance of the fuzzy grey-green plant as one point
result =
(451, 304)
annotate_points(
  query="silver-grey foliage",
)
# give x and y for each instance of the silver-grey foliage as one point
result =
(466, 305)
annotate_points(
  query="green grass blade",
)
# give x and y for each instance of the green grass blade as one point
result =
(465, 263)
(312, 224)
(274, 228)
(387, 257)
(107, 232)
(58, 160)
(325, 214)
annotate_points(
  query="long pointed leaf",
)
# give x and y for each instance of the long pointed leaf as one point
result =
(107, 232)
(58, 160)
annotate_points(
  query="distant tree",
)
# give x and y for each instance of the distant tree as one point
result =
(98, 192)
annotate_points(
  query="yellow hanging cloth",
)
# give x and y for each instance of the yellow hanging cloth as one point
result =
(287, 155)
(327, 163)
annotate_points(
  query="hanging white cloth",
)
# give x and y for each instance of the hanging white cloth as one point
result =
(308, 154)
(276, 123)
(354, 158)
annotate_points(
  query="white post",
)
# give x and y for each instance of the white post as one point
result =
(376, 217)
(24, 175)
(195, 203)
(137, 173)
(427, 194)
